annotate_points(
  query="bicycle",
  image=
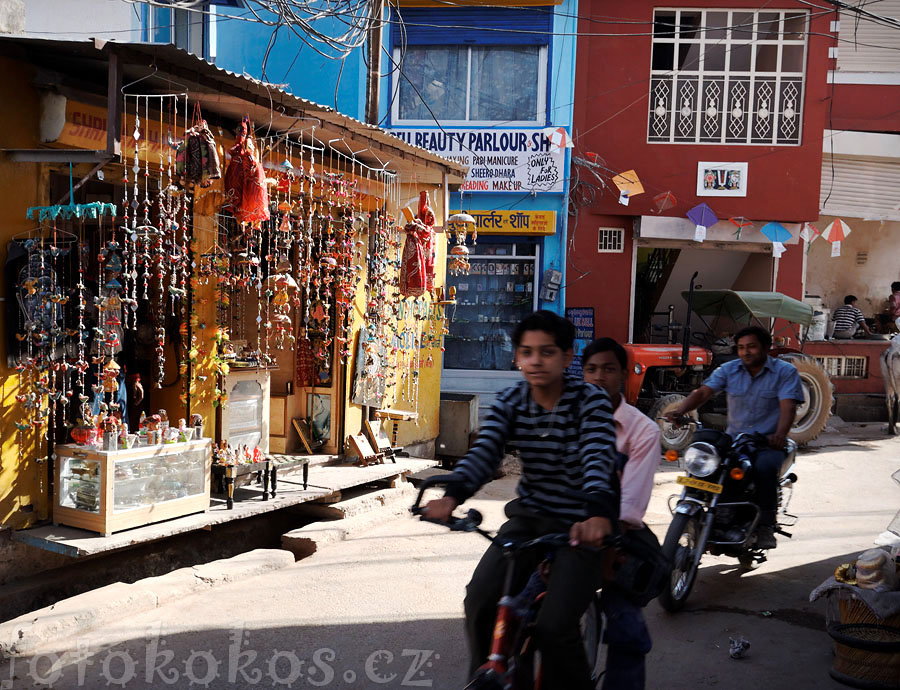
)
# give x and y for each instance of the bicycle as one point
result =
(514, 662)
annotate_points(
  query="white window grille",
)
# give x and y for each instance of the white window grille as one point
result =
(610, 240)
(845, 367)
(727, 77)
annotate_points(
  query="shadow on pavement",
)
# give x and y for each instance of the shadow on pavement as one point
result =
(427, 653)
(789, 645)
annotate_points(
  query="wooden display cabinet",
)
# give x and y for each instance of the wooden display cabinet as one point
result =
(110, 491)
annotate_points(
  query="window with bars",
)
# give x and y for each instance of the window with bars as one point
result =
(610, 240)
(727, 77)
(845, 367)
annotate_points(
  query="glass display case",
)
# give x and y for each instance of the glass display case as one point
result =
(108, 491)
(500, 290)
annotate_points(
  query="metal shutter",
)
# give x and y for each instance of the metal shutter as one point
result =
(861, 189)
(866, 58)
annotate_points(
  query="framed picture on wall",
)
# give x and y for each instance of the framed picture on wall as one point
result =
(721, 179)
(319, 407)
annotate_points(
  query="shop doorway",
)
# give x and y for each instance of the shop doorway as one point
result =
(662, 273)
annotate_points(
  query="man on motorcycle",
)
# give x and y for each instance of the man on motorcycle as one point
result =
(763, 393)
(563, 431)
(604, 363)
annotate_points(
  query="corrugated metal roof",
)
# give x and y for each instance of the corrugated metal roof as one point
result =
(230, 94)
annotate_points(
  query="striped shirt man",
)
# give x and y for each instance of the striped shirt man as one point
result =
(847, 318)
(571, 447)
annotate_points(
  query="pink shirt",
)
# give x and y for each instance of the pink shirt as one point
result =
(638, 437)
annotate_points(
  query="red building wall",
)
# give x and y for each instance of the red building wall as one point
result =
(601, 281)
(611, 112)
(865, 108)
(612, 99)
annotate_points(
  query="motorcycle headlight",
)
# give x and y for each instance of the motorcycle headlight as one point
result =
(701, 459)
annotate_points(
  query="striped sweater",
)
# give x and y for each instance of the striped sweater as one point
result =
(569, 448)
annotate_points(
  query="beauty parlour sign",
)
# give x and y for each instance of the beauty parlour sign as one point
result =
(499, 160)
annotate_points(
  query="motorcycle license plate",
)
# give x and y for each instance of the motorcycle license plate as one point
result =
(700, 484)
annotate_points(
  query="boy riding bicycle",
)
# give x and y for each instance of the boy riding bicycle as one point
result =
(563, 430)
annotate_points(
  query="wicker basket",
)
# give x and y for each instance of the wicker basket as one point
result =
(866, 655)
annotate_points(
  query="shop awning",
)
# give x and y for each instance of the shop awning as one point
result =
(79, 68)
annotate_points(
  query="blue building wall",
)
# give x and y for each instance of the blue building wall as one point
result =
(240, 47)
(560, 109)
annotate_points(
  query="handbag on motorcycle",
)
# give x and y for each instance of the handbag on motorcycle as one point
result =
(640, 570)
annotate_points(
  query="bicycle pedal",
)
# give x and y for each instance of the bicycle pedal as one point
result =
(783, 533)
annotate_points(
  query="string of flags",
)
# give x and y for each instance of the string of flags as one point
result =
(702, 215)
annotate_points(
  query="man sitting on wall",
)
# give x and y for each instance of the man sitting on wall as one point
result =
(848, 319)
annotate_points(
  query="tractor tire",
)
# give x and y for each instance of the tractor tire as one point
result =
(672, 438)
(818, 392)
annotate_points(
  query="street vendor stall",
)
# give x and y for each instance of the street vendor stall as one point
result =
(235, 256)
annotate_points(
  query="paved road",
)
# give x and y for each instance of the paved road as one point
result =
(384, 609)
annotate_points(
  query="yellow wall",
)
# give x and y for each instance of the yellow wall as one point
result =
(425, 428)
(23, 482)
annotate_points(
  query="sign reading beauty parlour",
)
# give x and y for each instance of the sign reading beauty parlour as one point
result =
(499, 160)
(513, 222)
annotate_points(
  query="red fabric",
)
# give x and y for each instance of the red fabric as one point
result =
(305, 368)
(426, 215)
(245, 180)
(413, 280)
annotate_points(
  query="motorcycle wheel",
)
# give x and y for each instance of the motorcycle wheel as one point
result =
(679, 546)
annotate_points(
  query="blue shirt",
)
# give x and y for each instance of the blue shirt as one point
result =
(754, 401)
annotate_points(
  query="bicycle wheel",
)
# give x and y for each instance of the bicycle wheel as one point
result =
(592, 637)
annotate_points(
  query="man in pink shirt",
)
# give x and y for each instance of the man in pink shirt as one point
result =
(604, 363)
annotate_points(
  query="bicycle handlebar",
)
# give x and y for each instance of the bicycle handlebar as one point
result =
(473, 518)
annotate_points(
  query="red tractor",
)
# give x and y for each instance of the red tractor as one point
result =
(660, 376)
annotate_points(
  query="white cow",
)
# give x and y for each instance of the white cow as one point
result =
(890, 372)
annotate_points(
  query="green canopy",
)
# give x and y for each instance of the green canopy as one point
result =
(741, 307)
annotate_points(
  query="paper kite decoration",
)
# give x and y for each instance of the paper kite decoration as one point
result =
(776, 232)
(629, 185)
(835, 233)
(664, 201)
(559, 138)
(703, 217)
(810, 233)
(740, 223)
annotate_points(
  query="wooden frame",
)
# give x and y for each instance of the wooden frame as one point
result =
(379, 438)
(367, 456)
(301, 426)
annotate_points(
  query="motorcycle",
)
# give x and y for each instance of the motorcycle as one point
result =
(716, 512)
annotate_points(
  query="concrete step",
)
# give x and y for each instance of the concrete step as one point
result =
(348, 518)
(97, 608)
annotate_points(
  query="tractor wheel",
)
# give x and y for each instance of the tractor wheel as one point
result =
(818, 394)
(672, 438)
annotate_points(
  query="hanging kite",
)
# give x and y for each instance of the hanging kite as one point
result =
(664, 201)
(702, 216)
(740, 223)
(835, 233)
(629, 185)
(777, 234)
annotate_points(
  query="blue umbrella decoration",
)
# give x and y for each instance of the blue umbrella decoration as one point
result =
(777, 234)
(703, 217)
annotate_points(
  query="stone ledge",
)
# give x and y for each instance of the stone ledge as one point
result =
(84, 612)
